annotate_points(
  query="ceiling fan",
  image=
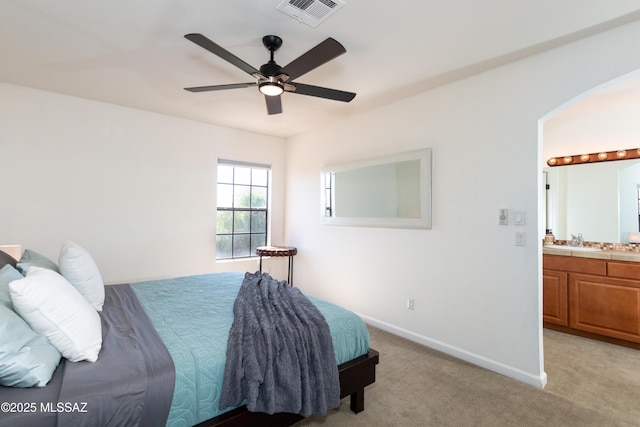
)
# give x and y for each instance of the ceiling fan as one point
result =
(272, 79)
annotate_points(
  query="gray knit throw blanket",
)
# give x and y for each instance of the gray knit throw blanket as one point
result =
(280, 355)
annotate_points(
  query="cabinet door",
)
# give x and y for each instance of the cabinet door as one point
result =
(555, 307)
(605, 306)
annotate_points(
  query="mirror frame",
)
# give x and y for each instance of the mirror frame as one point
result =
(425, 219)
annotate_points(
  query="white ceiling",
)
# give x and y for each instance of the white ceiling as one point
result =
(133, 53)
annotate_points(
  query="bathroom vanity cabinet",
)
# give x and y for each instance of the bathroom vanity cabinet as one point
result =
(597, 298)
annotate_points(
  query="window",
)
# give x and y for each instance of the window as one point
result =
(241, 225)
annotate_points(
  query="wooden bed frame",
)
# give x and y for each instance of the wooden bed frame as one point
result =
(355, 375)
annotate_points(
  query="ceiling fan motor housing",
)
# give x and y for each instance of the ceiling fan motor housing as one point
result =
(270, 69)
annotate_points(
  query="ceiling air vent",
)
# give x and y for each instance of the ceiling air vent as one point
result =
(310, 12)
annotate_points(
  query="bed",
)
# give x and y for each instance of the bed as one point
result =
(175, 333)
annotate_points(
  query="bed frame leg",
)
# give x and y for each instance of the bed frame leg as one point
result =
(357, 401)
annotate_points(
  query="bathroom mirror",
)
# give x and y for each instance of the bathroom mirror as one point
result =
(599, 200)
(391, 191)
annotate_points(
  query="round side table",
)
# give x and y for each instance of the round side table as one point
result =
(279, 251)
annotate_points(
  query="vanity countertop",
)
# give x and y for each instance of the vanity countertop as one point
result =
(591, 253)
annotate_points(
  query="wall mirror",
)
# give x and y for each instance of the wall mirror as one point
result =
(391, 191)
(599, 200)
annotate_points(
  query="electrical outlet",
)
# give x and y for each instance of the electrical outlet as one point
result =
(411, 303)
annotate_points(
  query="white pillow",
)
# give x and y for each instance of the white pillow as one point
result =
(79, 268)
(55, 309)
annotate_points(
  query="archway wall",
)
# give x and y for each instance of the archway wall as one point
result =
(604, 118)
(477, 295)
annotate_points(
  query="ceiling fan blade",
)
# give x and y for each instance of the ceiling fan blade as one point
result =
(321, 54)
(320, 92)
(274, 104)
(219, 87)
(216, 49)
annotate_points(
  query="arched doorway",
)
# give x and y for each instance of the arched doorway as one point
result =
(603, 119)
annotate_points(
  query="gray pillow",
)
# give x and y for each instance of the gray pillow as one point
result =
(27, 359)
(30, 258)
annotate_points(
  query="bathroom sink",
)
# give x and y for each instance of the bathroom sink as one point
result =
(574, 248)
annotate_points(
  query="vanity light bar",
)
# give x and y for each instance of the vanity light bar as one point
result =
(633, 153)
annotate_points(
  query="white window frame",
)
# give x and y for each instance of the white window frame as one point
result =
(251, 234)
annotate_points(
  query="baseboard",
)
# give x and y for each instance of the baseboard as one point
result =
(538, 381)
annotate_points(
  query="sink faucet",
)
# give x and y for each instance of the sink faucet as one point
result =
(577, 240)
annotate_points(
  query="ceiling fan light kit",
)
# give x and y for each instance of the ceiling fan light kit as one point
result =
(271, 87)
(272, 79)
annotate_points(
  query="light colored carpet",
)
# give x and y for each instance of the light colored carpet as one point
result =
(590, 383)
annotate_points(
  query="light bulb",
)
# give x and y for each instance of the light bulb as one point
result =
(271, 88)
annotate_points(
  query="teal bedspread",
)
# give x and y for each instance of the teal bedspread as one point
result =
(193, 316)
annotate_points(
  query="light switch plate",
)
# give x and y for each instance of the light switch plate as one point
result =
(518, 218)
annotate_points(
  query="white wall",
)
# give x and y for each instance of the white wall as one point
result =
(477, 296)
(136, 189)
